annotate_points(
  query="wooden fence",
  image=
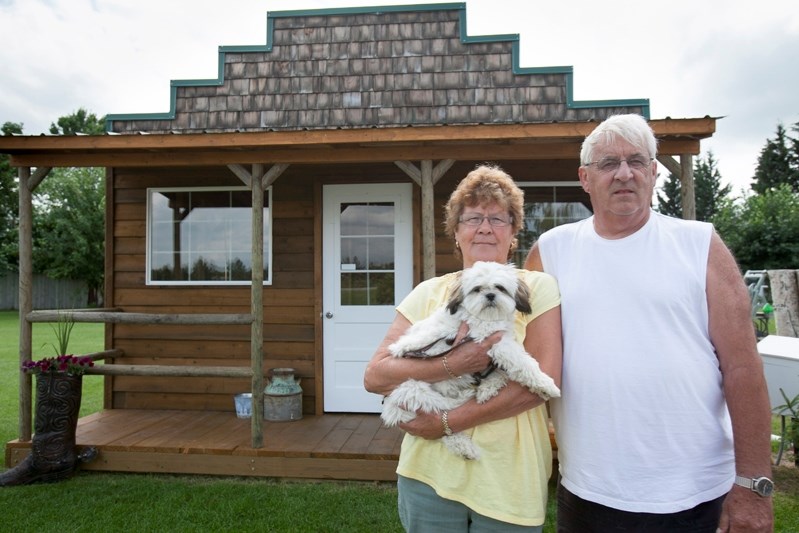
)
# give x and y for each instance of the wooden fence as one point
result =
(47, 293)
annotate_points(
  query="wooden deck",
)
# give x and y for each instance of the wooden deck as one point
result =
(331, 446)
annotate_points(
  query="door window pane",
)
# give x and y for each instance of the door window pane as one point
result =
(367, 253)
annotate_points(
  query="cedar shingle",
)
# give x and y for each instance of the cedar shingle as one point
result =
(366, 69)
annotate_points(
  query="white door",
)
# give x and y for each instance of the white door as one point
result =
(367, 270)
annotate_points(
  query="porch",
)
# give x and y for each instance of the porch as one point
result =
(330, 446)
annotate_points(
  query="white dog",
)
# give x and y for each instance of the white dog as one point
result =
(486, 298)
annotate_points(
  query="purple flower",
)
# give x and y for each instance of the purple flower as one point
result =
(63, 364)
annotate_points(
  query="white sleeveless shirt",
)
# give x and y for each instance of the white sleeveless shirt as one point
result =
(642, 424)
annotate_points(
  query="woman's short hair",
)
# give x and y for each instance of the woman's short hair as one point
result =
(485, 184)
(632, 128)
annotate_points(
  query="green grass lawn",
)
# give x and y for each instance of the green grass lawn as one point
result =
(94, 501)
(139, 503)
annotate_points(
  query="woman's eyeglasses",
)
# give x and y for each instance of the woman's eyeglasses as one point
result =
(476, 220)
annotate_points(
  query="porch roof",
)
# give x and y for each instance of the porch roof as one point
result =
(556, 140)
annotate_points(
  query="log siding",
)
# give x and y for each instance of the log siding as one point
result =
(289, 326)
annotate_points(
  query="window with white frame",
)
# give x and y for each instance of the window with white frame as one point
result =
(546, 205)
(203, 236)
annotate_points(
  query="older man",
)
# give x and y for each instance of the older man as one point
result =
(664, 420)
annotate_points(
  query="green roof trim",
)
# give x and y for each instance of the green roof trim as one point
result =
(465, 38)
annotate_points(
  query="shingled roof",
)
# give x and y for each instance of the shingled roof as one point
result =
(344, 85)
(371, 67)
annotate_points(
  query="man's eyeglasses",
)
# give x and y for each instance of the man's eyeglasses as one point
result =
(476, 220)
(612, 164)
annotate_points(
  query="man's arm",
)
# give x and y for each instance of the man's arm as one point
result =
(733, 335)
(533, 261)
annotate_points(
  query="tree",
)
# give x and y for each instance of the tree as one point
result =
(709, 193)
(69, 215)
(794, 157)
(9, 206)
(81, 121)
(778, 163)
(761, 230)
(670, 203)
(708, 188)
(69, 238)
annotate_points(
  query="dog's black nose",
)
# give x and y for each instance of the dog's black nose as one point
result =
(490, 296)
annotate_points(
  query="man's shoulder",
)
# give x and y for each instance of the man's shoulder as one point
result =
(681, 224)
(564, 230)
(536, 278)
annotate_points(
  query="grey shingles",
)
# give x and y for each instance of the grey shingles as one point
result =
(368, 69)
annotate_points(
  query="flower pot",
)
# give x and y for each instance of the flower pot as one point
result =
(53, 454)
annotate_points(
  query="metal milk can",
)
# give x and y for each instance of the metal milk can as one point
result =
(282, 396)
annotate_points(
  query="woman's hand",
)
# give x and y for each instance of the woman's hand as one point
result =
(384, 372)
(468, 356)
(512, 400)
(425, 425)
(543, 338)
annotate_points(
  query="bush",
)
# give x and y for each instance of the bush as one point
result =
(761, 229)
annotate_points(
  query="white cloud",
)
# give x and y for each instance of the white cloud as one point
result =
(690, 58)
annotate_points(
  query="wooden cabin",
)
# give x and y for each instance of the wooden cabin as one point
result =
(339, 139)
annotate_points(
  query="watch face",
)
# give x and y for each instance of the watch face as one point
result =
(764, 486)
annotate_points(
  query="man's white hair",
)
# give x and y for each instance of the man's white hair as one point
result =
(632, 128)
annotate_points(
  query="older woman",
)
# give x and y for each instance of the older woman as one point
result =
(506, 488)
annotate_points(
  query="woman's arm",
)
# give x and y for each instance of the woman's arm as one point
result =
(543, 340)
(385, 372)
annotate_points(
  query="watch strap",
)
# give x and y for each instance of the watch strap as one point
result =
(744, 481)
(762, 486)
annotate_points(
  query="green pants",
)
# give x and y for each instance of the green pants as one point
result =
(421, 510)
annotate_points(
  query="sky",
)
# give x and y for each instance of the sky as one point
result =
(735, 60)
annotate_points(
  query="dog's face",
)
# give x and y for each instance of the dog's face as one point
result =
(491, 291)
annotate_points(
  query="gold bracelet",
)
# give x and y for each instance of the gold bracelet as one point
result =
(447, 368)
(445, 423)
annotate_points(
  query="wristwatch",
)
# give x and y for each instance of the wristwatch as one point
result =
(762, 486)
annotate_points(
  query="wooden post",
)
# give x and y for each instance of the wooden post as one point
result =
(258, 181)
(257, 307)
(426, 178)
(428, 224)
(25, 299)
(784, 286)
(685, 170)
(27, 184)
(687, 187)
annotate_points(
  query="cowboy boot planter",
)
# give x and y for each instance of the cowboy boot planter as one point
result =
(53, 454)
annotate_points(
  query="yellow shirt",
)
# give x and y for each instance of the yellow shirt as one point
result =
(509, 480)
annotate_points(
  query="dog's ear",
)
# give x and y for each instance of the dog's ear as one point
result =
(456, 296)
(522, 297)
